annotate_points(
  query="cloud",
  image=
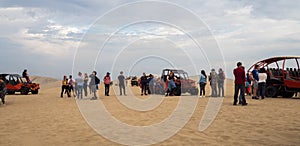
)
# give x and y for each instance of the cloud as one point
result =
(245, 30)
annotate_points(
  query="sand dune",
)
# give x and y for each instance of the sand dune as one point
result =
(47, 119)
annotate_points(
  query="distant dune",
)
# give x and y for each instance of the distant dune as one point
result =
(45, 82)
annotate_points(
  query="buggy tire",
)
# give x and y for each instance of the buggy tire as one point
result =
(35, 92)
(10, 92)
(177, 91)
(271, 91)
(24, 91)
(194, 91)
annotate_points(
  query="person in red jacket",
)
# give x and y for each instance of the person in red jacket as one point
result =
(107, 83)
(240, 78)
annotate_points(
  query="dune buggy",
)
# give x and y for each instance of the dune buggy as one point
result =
(283, 75)
(182, 82)
(15, 83)
(134, 81)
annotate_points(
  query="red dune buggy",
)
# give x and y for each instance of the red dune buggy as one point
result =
(15, 83)
(182, 82)
(283, 75)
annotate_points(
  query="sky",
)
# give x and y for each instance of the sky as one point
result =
(61, 37)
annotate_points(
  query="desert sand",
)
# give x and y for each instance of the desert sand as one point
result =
(47, 119)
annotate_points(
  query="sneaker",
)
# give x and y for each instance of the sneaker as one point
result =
(244, 104)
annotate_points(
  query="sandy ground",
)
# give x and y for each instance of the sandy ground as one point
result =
(47, 119)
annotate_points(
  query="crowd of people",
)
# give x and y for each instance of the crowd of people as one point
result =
(250, 83)
(244, 82)
(216, 81)
(78, 87)
(146, 84)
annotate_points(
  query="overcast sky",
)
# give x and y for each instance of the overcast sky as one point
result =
(57, 37)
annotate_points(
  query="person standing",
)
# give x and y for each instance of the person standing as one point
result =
(240, 97)
(85, 84)
(239, 81)
(79, 82)
(64, 87)
(213, 78)
(121, 79)
(26, 76)
(143, 82)
(262, 76)
(248, 83)
(93, 85)
(2, 90)
(221, 79)
(106, 80)
(151, 84)
(202, 83)
(255, 81)
(71, 84)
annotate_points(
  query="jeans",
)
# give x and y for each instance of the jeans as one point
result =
(151, 89)
(239, 88)
(94, 90)
(202, 88)
(221, 89)
(144, 88)
(85, 89)
(65, 88)
(106, 89)
(122, 87)
(2, 95)
(171, 85)
(79, 91)
(213, 90)
(261, 89)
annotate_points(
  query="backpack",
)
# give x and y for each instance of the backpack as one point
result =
(106, 80)
(97, 81)
(221, 76)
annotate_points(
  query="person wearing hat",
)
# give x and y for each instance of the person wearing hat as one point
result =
(213, 78)
(107, 83)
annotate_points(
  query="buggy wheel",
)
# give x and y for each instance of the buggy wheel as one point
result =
(271, 91)
(177, 91)
(194, 91)
(24, 91)
(10, 92)
(35, 92)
